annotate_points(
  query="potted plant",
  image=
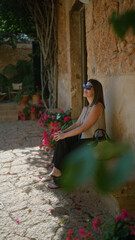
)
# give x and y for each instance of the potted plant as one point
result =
(23, 97)
(25, 113)
(56, 120)
(18, 97)
(33, 112)
(36, 95)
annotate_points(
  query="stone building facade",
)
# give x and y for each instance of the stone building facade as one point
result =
(89, 48)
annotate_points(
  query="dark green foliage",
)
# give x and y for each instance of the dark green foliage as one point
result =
(110, 178)
(108, 165)
(122, 23)
(119, 230)
(80, 167)
(14, 20)
(3, 83)
(21, 72)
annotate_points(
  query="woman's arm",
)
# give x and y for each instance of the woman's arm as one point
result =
(74, 125)
(90, 120)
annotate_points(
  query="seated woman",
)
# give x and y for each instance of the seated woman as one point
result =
(91, 118)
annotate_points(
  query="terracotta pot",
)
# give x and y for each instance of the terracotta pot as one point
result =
(24, 100)
(33, 115)
(36, 99)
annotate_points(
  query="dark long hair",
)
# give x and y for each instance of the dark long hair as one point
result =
(98, 92)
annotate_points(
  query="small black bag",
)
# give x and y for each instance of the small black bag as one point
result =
(97, 138)
(103, 137)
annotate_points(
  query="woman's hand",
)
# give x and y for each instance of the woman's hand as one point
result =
(59, 135)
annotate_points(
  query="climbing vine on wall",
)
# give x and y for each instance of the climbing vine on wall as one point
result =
(45, 18)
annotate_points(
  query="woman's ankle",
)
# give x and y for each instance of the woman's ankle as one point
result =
(56, 172)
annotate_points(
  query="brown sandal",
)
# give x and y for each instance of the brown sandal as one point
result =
(55, 183)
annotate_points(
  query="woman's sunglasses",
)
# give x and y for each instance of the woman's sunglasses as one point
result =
(87, 86)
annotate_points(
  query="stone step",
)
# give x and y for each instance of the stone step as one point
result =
(8, 112)
(8, 118)
(7, 106)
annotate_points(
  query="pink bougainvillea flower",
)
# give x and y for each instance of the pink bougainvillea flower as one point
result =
(67, 118)
(51, 210)
(68, 238)
(51, 136)
(132, 228)
(47, 149)
(96, 223)
(81, 232)
(33, 109)
(62, 111)
(124, 213)
(37, 86)
(53, 117)
(54, 124)
(118, 218)
(46, 143)
(52, 130)
(17, 220)
(88, 234)
(101, 231)
(70, 232)
(52, 166)
(39, 177)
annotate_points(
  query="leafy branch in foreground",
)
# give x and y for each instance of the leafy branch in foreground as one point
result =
(108, 165)
(121, 24)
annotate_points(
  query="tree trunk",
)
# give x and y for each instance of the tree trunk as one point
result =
(45, 17)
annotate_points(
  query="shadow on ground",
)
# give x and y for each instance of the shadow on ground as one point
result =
(20, 143)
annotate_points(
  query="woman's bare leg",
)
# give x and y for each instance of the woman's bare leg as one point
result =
(55, 172)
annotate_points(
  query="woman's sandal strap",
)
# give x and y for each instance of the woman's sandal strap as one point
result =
(50, 175)
(53, 183)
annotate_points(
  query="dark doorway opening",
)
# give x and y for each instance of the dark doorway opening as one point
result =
(78, 56)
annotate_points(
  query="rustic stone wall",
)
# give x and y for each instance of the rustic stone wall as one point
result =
(112, 62)
(109, 60)
(9, 55)
(107, 54)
